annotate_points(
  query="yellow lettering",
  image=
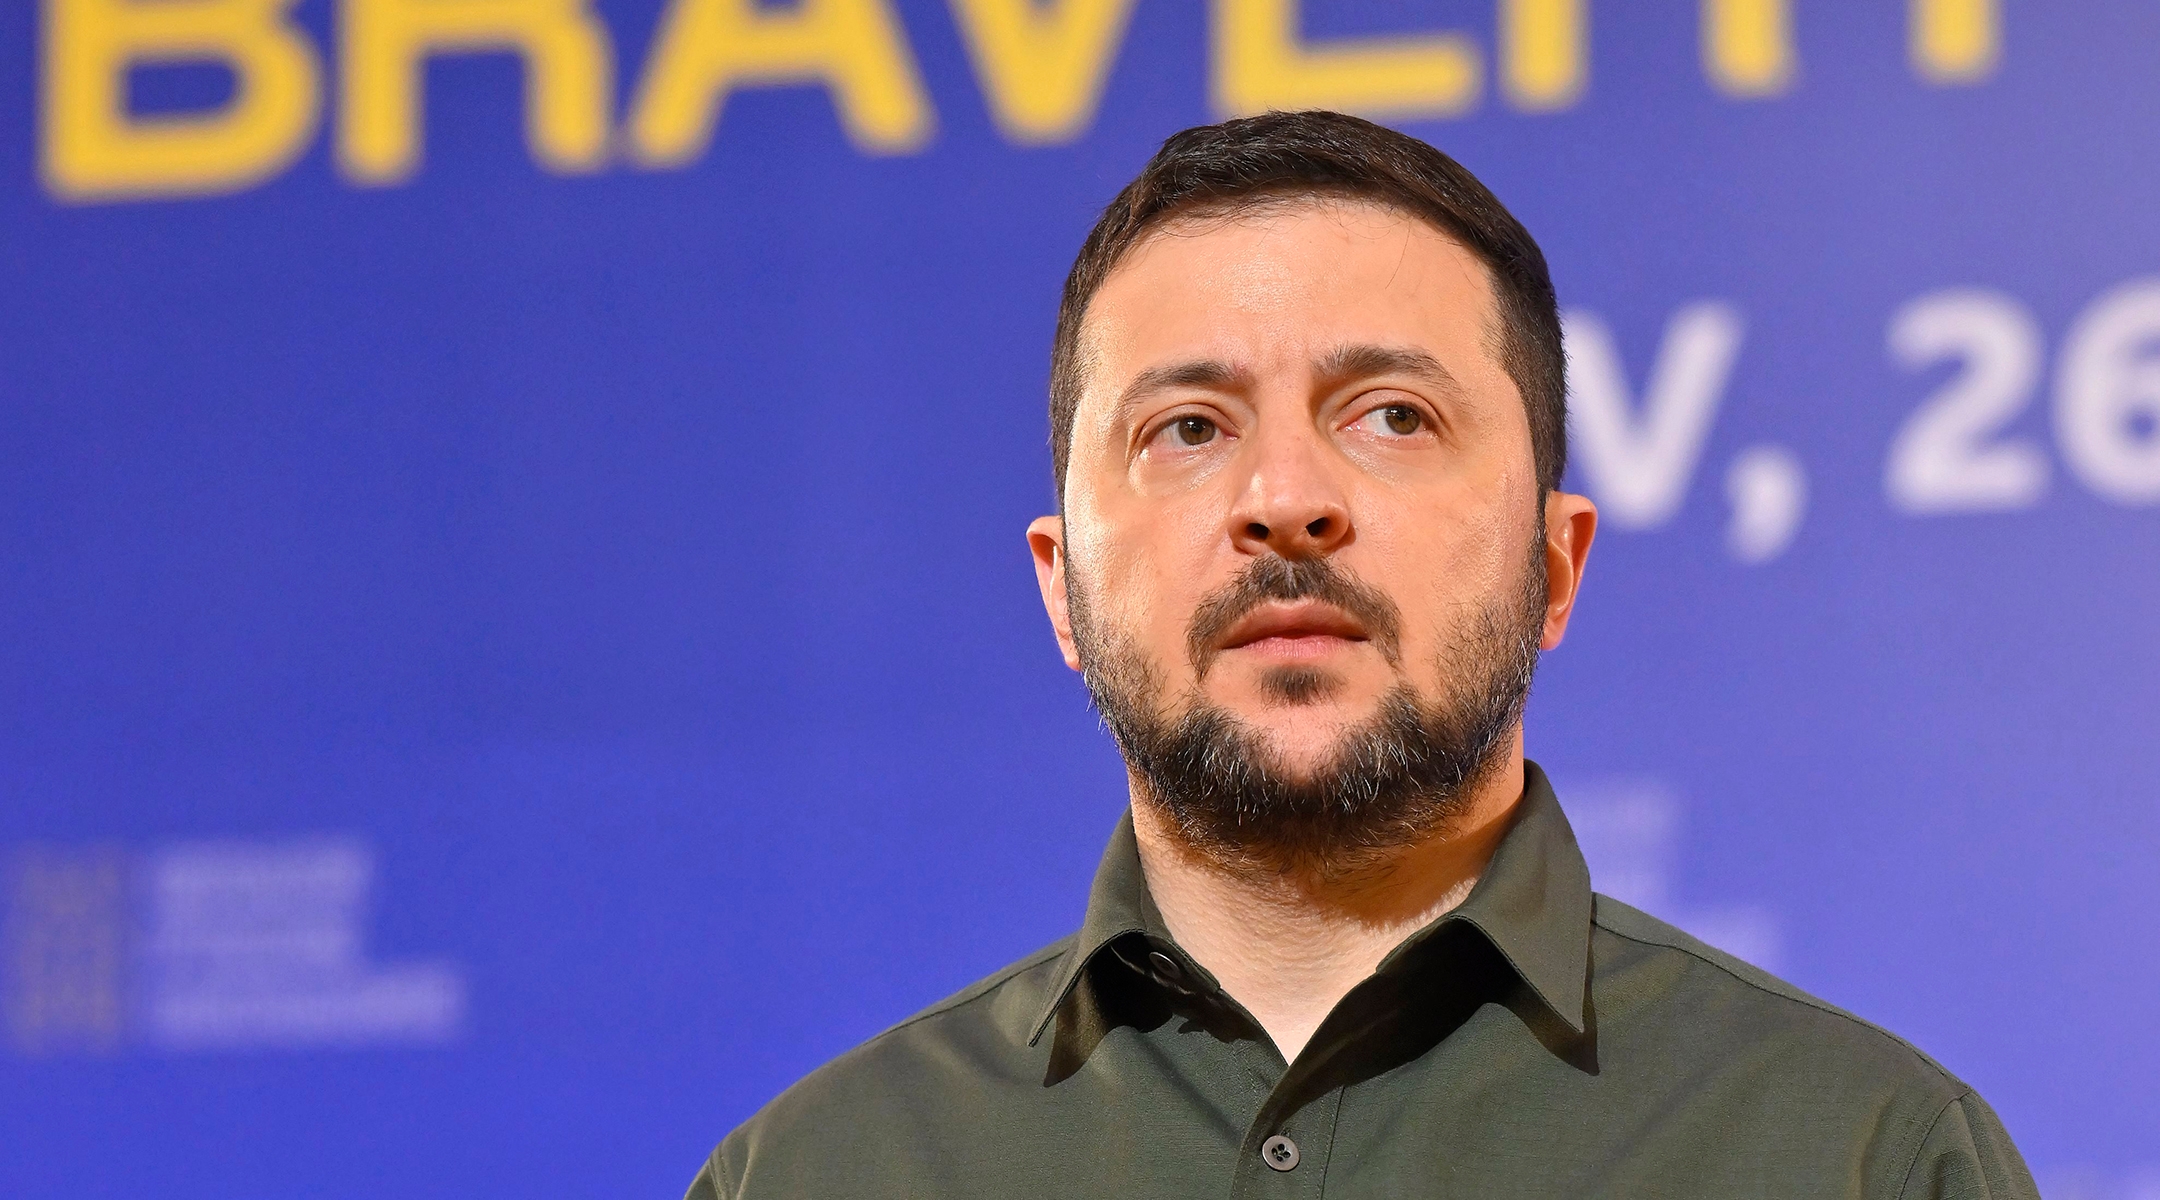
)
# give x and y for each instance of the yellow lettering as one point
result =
(94, 149)
(707, 48)
(1747, 46)
(1042, 65)
(569, 76)
(1260, 64)
(1955, 41)
(1542, 61)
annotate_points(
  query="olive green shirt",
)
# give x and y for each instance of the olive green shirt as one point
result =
(1537, 1040)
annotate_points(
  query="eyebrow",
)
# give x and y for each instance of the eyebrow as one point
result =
(1345, 363)
(1208, 373)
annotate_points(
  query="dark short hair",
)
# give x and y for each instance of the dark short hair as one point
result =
(1255, 161)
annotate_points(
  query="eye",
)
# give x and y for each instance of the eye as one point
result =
(1193, 430)
(1401, 420)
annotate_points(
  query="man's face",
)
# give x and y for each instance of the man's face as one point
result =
(1298, 400)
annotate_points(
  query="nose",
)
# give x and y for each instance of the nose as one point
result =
(1292, 504)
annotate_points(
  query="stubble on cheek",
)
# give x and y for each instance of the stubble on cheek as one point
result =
(1125, 685)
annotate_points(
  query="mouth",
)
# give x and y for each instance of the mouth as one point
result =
(1302, 629)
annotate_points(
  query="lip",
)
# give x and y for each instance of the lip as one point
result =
(1299, 628)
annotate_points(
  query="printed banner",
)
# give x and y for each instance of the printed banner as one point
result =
(518, 641)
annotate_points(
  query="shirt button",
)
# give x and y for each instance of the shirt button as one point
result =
(1166, 969)
(1279, 1152)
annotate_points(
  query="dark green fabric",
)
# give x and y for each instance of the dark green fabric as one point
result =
(1536, 1041)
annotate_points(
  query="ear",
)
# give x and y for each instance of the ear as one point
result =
(1570, 525)
(1046, 541)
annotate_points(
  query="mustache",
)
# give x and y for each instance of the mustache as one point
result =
(1278, 578)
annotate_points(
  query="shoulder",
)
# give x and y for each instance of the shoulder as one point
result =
(1729, 1055)
(958, 1054)
(1686, 968)
(1649, 959)
(965, 1033)
(1001, 1001)
(1739, 1040)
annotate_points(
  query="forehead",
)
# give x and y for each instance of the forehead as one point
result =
(1290, 282)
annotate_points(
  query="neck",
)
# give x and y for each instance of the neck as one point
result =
(1289, 947)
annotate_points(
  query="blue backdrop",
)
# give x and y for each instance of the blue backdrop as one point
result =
(517, 636)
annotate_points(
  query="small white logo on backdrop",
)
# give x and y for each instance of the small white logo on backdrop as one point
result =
(210, 945)
(1633, 833)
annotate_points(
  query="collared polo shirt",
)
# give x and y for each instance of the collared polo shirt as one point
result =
(1537, 1040)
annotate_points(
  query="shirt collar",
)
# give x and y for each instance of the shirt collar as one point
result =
(1532, 903)
(1118, 904)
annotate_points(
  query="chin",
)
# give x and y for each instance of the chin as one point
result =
(1304, 694)
(1302, 710)
(1305, 737)
(1304, 762)
(1299, 687)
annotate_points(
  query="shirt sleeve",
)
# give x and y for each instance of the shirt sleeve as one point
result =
(1967, 1155)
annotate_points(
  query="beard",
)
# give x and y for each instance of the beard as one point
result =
(1398, 777)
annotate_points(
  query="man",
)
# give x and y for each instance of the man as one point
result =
(1308, 421)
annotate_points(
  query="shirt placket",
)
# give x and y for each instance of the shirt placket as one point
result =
(1286, 1150)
